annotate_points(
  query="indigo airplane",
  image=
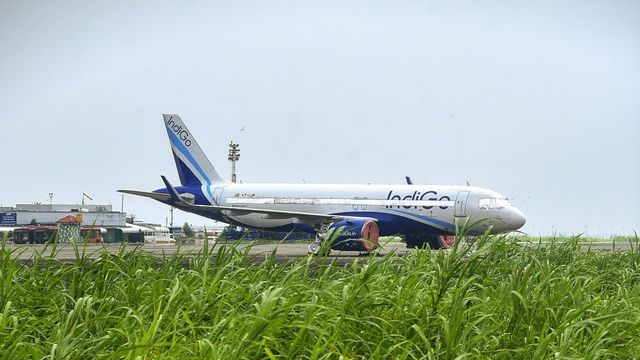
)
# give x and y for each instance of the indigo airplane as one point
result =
(351, 216)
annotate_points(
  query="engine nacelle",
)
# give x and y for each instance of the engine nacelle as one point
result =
(353, 235)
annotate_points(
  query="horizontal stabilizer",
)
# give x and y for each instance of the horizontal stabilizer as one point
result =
(172, 191)
(152, 195)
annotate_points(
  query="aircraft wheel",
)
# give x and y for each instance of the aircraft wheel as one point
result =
(416, 242)
(435, 242)
(316, 249)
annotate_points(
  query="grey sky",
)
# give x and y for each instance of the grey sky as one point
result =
(538, 100)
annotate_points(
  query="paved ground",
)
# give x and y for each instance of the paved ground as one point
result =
(284, 252)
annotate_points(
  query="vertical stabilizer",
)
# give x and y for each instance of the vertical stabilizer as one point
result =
(193, 166)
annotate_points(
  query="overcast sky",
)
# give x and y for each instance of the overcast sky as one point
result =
(538, 100)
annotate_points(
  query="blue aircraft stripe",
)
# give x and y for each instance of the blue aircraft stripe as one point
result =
(427, 219)
(176, 141)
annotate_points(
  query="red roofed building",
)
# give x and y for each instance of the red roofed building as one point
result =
(69, 228)
(69, 219)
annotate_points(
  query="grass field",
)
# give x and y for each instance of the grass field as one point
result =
(619, 239)
(497, 300)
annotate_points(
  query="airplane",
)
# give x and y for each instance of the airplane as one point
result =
(351, 216)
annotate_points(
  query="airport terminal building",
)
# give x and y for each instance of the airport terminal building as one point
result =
(91, 215)
(39, 221)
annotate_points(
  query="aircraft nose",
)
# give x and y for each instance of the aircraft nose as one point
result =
(517, 219)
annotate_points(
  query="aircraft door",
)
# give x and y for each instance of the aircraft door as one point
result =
(461, 203)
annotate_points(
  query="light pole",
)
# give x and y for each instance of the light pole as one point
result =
(234, 156)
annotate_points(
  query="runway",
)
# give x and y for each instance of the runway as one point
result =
(284, 251)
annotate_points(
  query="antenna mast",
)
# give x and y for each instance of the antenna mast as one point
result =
(234, 156)
(85, 195)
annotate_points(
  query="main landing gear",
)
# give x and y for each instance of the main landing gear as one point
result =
(316, 247)
(435, 242)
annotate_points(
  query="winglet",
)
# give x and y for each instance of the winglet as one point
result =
(172, 191)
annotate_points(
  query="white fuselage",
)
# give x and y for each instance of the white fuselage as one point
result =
(435, 206)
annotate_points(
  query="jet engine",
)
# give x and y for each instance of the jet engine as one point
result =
(353, 235)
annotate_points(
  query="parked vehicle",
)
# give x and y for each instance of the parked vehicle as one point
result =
(34, 234)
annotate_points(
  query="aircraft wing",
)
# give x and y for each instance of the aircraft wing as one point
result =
(296, 216)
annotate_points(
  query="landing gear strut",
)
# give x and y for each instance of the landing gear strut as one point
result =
(315, 247)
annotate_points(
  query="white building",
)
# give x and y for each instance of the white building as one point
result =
(91, 215)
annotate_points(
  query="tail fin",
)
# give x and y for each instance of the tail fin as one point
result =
(193, 166)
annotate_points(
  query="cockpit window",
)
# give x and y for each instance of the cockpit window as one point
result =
(493, 203)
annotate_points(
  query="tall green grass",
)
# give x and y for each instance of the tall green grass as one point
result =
(493, 300)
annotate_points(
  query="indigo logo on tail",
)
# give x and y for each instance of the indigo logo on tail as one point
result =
(182, 133)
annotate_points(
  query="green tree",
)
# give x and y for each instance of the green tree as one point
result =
(188, 231)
